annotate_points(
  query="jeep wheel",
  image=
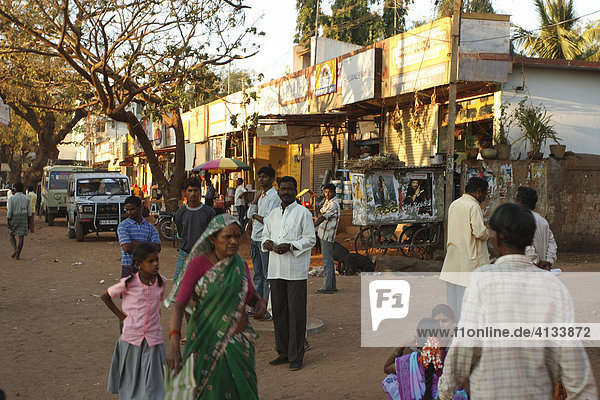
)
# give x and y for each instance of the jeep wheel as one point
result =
(51, 219)
(79, 235)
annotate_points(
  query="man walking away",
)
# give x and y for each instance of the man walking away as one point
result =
(209, 196)
(327, 225)
(264, 202)
(32, 198)
(289, 234)
(467, 241)
(191, 221)
(513, 290)
(132, 231)
(543, 249)
(19, 219)
(239, 202)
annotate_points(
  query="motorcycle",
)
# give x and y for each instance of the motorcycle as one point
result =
(165, 225)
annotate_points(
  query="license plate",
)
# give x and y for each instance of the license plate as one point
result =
(108, 222)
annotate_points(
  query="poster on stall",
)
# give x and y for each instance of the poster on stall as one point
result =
(358, 199)
(504, 180)
(417, 194)
(382, 191)
(489, 176)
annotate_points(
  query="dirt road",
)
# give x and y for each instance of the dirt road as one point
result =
(57, 337)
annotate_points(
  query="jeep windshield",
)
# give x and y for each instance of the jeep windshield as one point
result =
(102, 186)
(59, 179)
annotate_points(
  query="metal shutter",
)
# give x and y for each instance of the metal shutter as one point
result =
(414, 145)
(322, 162)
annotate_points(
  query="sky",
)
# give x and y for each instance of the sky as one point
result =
(277, 18)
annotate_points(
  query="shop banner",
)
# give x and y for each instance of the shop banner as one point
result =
(358, 77)
(326, 78)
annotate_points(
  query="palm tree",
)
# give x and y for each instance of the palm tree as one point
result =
(557, 36)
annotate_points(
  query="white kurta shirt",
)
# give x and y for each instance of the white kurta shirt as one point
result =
(267, 202)
(239, 196)
(293, 225)
(543, 247)
(467, 241)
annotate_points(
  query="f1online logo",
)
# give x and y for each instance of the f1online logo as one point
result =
(388, 300)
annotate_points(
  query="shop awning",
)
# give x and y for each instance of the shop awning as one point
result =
(295, 129)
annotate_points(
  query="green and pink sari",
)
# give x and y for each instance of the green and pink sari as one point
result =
(216, 362)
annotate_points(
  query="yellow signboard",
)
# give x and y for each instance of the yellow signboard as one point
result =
(326, 77)
(419, 58)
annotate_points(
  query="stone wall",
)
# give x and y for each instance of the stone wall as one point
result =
(568, 192)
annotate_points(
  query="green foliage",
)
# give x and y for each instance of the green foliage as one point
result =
(560, 37)
(535, 125)
(360, 22)
(444, 8)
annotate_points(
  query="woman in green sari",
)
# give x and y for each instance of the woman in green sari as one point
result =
(214, 288)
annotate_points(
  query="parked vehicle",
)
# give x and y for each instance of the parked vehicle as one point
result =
(96, 202)
(4, 197)
(165, 225)
(54, 190)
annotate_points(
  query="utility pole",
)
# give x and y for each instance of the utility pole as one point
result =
(452, 105)
(395, 16)
(316, 30)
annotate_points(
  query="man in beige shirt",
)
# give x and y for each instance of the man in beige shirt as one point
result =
(466, 241)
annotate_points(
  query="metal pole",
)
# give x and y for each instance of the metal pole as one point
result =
(452, 106)
(316, 30)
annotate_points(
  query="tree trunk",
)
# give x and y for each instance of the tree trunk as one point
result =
(174, 193)
(44, 152)
(15, 165)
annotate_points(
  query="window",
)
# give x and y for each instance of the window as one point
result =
(59, 179)
(102, 187)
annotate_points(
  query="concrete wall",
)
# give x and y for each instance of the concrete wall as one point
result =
(568, 194)
(572, 98)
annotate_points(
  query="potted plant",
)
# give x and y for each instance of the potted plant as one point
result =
(471, 149)
(557, 150)
(502, 143)
(536, 128)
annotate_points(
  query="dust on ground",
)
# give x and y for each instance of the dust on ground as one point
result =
(58, 337)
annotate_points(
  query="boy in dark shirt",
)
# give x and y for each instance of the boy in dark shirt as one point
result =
(191, 221)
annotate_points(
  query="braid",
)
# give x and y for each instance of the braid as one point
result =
(428, 383)
(129, 279)
(160, 281)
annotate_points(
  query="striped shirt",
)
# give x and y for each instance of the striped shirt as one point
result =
(514, 290)
(130, 231)
(328, 228)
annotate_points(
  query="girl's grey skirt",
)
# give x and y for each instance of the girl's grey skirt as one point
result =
(136, 373)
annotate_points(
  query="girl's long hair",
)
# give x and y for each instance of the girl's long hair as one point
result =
(428, 395)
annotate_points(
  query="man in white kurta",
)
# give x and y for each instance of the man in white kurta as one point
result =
(289, 235)
(543, 248)
(466, 241)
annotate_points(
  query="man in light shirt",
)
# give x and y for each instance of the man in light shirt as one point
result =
(264, 202)
(466, 241)
(19, 219)
(512, 291)
(239, 202)
(543, 248)
(327, 225)
(289, 235)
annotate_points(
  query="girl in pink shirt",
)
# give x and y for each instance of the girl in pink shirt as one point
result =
(136, 369)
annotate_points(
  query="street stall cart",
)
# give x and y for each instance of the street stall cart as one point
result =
(222, 166)
(384, 198)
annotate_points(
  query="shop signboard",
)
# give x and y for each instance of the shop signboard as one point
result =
(217, 118)
(159, 136)
(358, 77)
(268, 99)
(104, 151)
(397, 196)
(293, 95)
(419, 58)
(272, 130)
(326, 77)
(197, 125)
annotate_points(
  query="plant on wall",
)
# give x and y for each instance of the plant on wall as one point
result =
(535, 125)
(502, 125)
(397, 121)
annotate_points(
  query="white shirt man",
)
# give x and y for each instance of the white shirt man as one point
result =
(289, 235)
(466, 243)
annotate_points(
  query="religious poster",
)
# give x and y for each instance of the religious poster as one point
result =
(382, 191)
(504, 180)
(326, 78)
(417, 194)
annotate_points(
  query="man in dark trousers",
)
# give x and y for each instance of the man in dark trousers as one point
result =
(289, 235)
(191, 221)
